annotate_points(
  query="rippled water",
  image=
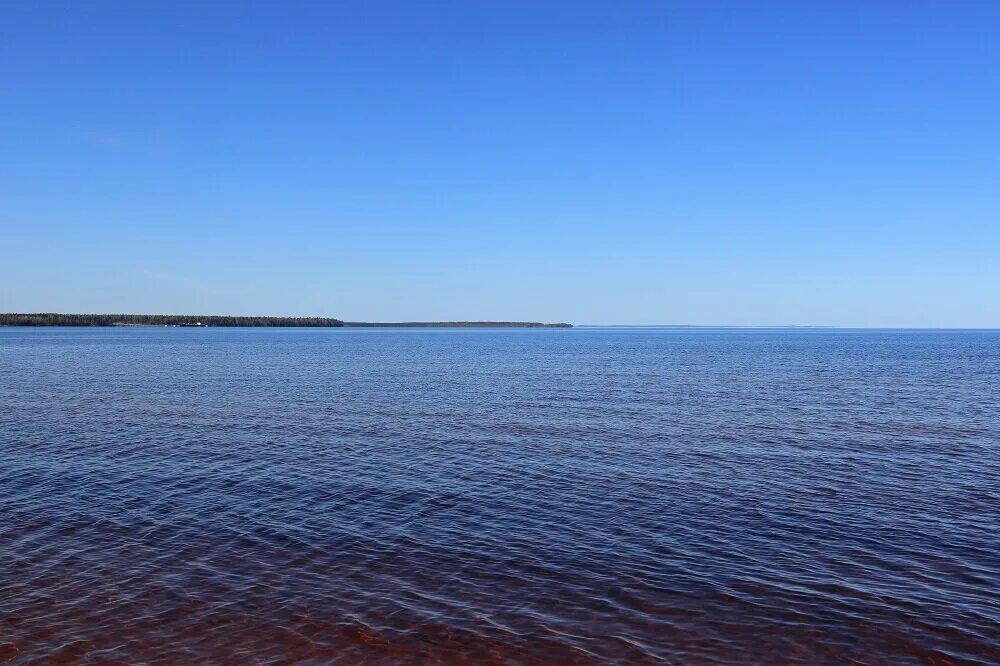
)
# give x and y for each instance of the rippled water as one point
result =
(515, 496)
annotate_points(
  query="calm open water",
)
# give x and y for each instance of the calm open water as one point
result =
(515, 496)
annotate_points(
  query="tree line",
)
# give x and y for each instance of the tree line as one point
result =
(55, 319)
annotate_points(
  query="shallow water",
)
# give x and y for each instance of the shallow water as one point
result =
(515, 496)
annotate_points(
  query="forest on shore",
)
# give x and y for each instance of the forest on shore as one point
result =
(55, 319)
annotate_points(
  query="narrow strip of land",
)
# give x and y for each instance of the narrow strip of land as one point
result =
(57, 319)
(454, 324)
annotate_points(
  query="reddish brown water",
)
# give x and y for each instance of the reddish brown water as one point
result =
(580, 496)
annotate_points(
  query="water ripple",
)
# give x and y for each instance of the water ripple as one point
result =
(565, 496)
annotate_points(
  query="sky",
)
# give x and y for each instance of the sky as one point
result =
(720, 163)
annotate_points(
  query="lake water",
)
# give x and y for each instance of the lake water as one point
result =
(502, 496)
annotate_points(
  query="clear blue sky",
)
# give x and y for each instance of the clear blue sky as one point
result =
(594, 162)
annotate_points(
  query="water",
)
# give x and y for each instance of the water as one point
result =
(514, 496)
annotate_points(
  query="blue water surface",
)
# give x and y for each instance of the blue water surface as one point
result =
(591, 495)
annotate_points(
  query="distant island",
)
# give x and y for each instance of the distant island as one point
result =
(201, 321)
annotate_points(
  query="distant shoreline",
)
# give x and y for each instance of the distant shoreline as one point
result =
(205, 321)
(454, 324)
